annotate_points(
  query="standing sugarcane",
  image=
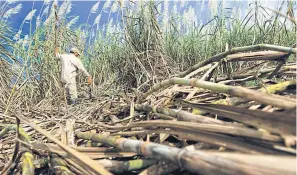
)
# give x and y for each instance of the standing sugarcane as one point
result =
(56, 48)
(70, 63)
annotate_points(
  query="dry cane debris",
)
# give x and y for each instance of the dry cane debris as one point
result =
(197, 122)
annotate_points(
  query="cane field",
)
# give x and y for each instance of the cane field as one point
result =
(179, 87)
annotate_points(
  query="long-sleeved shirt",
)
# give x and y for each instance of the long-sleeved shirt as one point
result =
(70, 63)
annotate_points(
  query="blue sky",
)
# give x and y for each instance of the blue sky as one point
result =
(79, 8)
(201, 8)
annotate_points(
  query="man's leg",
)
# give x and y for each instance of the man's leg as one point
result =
(72, 93)
(66, 87)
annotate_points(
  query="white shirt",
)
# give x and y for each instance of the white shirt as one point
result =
(70, 63)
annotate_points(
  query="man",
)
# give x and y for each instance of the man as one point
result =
(70, 63)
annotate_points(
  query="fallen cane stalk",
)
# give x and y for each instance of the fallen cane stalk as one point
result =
(236, 91)
(87, 162)
(207, 137)
(179, 114)
(194, 161)
(27, 157)
(59, 166)
(222, 55)
(216, 128)
(160, 168)
(271, 89)
(126, 166)
(274, 122)
(27, 165)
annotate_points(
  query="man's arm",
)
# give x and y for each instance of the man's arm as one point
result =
(81, 67)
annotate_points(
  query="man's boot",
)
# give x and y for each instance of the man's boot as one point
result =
(73, 102)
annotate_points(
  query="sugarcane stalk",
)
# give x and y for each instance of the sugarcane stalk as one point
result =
(126, 166)
(271, 89)
(265, 160)
(232, 143)
(179, 114)
(92, 144)
(27, 157)
(163, 116)
(93, 153)
(89, 164)
(252, 77)
(275, 122)
(8, 166)
(4, 131)
(59, 166)
(222, 55)
(194, 161)
(279, 87)
(27, 164)
(56, 46)
(257, 56)
(40, 163)
(209, 73)
(166, 167)
(237, 91)
(278, 67)
(12, 127)
(241, 75)
(216, 128)
(159, 168)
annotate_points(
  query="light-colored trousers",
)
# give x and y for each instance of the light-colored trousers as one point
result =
(71, 91)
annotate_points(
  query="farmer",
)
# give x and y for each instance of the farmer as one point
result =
(70, 63)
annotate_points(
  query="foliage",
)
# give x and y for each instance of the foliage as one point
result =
(140, 45)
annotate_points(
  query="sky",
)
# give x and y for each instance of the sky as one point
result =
(202, 9)
(79, 8)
